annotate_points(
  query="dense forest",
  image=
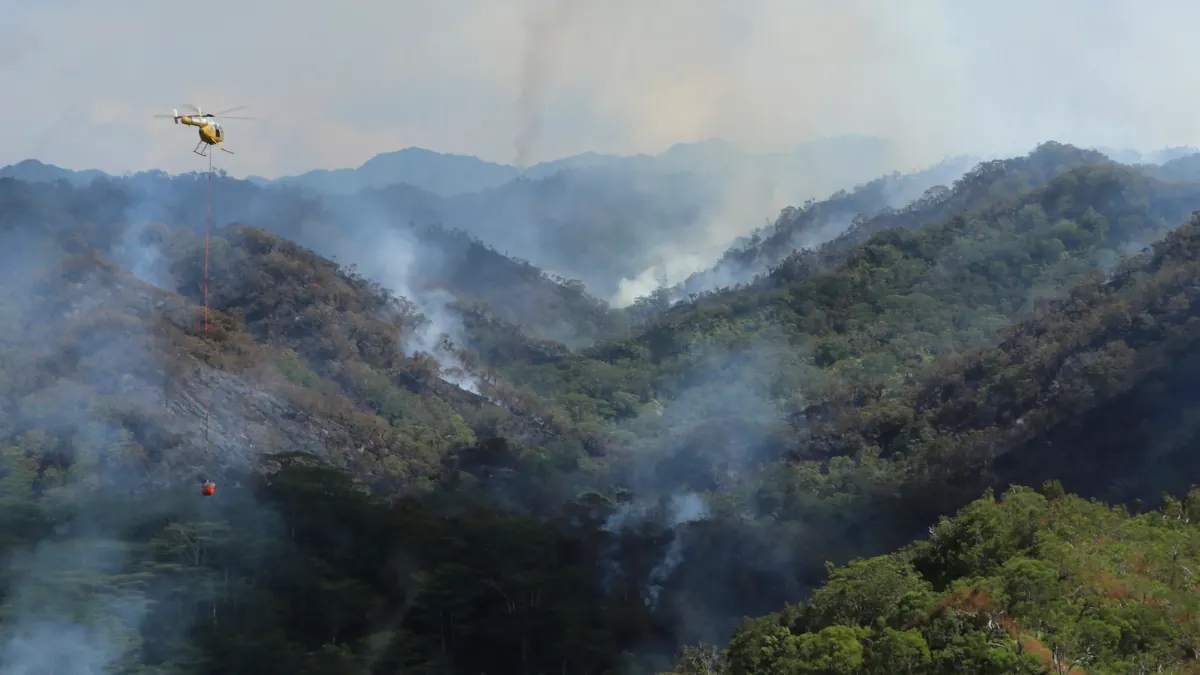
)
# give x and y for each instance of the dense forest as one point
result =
(433, 458)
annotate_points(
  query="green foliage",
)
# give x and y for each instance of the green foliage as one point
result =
(1023, 585)
(294, 369)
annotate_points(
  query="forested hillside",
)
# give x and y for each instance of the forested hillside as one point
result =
(1029, 583)
(818, 235)
(818, 221)
(426, 462)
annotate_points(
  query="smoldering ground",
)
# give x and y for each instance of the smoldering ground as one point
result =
(379, 246)
(713, 557)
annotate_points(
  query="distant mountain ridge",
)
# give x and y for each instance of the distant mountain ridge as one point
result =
(33, 171)
(639, 218)
(846, 157)
(447, 174)
(630, 213)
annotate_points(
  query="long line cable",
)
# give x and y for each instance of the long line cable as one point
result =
(207, 235)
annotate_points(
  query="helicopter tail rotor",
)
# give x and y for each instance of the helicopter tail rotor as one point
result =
(174, 115)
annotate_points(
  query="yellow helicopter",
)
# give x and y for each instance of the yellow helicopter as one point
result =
(211, 131)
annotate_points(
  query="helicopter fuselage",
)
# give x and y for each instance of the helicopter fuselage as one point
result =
(210, 131)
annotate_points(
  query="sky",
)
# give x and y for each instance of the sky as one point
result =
(522, 81)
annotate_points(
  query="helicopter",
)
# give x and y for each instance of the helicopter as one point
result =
(211, 131)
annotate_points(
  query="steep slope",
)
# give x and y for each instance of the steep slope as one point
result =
(515, 292)
(819, 221)
(352, 331)
(1088, 391)
(987, 183)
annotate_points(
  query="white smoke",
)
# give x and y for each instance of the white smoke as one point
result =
(680, 510)
(395, 259)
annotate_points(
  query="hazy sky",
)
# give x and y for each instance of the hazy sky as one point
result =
(334, 83)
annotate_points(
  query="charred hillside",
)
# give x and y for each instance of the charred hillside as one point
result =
(107, 372)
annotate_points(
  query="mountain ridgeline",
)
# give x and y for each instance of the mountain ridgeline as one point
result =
(431, 457)
(609, 222)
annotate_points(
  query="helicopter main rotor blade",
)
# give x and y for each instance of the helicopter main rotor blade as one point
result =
(230, 117)
(222, 113)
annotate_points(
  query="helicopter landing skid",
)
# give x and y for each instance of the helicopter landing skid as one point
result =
(203, 151)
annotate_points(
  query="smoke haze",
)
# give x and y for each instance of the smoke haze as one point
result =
(537, 81)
